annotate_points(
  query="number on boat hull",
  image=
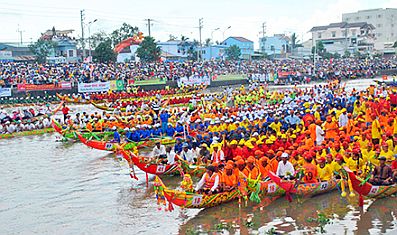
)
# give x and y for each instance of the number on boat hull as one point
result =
(109, 146)
(160, 169)
(324, 185)
(374, 190)
(197, 200)
(271, 188)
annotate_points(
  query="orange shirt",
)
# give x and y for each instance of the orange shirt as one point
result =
(264, 170)
(229, 180)
(253, 173)
(330, 130)
(312, 129)
(310, 171)
(89, 126)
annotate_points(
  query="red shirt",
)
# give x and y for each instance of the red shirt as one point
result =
(65, 110)
(394, 165)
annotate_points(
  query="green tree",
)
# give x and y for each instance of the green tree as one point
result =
(188, 48)
(42, 49)
(104, 52)
(172, 37)
(124, 32)
(97, 38)
(336, 55)
(233, 52)
(320, 48)
(295, 43)
(148, 51)
(208, 42)
(347, 54)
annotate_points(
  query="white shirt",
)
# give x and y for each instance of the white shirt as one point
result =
(158, 151)
(282, 168)
(319, 135)
(188, 155)
(200, 184)
(221, 156)
(171, 157)
(343, 120)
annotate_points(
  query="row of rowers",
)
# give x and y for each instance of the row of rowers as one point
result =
(226, 176)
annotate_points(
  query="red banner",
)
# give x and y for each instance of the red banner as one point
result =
(32, 87)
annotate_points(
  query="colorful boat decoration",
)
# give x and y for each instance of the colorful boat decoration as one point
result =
(190, 200)
(369, 190)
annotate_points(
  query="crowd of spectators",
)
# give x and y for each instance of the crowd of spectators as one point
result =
(12, 73)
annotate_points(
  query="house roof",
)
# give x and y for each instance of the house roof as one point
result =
(342, 25)
(241, 39)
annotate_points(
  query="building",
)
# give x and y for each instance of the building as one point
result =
(213, 52)
(174, 50)
(246, 46)
(66, 46)
(20, 53)
(385, 23)
(343, 36)
(279, 44)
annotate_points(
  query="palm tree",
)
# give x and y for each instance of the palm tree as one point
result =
(207, 42)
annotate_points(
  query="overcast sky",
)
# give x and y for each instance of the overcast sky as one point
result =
(177, 17)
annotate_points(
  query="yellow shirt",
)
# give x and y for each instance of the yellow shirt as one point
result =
(375, 130)
(335, 167)
(325, 173)
(389, 155)
(354, 165)
(275, 126)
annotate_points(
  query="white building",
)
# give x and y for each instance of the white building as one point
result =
(384, 21)
(339, 37)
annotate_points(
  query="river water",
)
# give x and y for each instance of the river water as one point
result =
(49, 187)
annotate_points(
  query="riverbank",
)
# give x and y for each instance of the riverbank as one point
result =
(215, 83)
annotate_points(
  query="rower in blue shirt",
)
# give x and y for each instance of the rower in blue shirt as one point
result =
(116, 135)
(170, 131)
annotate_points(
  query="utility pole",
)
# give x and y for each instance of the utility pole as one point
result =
(200, 27)
(20, 35)
(263, 36)
(148, 25)
(82, 32)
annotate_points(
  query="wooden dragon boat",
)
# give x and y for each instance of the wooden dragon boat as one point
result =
(27, 133)
(144, 164)
(369, 190)
(112, 146)
(303, 190)
(190, 200)
(70, 134)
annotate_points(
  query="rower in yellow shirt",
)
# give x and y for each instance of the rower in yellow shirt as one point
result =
(276, 125)
(386, 152)
(355, 163)
(324, 170)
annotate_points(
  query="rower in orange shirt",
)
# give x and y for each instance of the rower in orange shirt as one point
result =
(331, 129)
(264, 167)
(310, 170)
(229, 181)
(253, 171)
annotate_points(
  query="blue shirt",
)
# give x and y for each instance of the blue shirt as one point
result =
(164, 117)
(116, 137)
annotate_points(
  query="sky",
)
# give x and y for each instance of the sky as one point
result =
(177, 17)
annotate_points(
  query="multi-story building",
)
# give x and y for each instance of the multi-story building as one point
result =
(246, 46)
(343, 36)
(66, 46)
(384, 21)
(279, 44)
